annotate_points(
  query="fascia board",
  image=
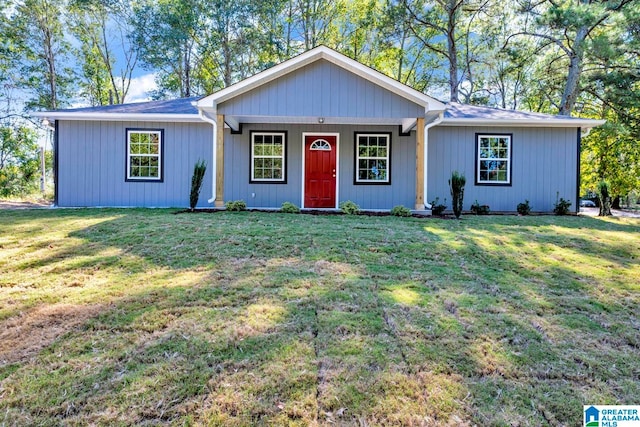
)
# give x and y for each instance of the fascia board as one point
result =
(117, 117)
(525, 123)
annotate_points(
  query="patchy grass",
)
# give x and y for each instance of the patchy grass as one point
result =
(143, 317)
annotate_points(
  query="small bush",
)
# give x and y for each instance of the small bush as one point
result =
(479, 209)
(349, 208)
(561, 207)
(196, 183)
(437, 208)
(236, 205)
(400, 211)
(524, 208)
(288, 207)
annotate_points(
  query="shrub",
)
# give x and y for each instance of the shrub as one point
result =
(479, 209)
(561, 207)
(456, 185)
(236, 205)
(288, 207)
(400, 211)
(524, 208)
(349, 208)
(437, 208)
(196, 183)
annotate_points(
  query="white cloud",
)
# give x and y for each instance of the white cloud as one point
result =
(140, 88)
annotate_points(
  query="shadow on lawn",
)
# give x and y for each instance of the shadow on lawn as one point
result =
(292, 322)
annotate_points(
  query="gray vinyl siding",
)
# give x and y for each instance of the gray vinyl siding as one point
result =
(544, 162)
(92, 159)
(237, 168)
(321, 89)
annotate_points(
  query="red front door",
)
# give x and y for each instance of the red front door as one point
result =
(320, 171)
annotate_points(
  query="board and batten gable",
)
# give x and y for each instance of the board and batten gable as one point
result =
(322, 89)
(92, 164)
(544, 163)
(270, 195)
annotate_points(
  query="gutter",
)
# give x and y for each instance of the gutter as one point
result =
(214, 165)
(426, 156)
(118, 117)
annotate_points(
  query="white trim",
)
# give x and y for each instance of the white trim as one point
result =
(283, 157)
(387, 158)
(117, 117)
(321, 52)
(507, 159)
(304, 136)
(546, 122)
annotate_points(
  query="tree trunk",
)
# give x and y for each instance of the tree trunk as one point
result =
(570, 94)
(615, 204)
(452, 50)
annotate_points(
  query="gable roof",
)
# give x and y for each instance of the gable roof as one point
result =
(210, 102)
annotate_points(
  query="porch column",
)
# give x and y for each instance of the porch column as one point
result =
(219, 161)
(420, 165)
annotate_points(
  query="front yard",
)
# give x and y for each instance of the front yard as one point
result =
(145, 317)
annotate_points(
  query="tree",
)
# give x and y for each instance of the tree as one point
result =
(572, 28)
(167, 33)
(38, 32)
(102, 28)
(19, 161)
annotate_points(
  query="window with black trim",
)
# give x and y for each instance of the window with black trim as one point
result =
(268, 157)
(373, 155)
(144, 155)
(493, 159)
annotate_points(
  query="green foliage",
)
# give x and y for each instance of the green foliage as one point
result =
(236, 206)
(349, 208)
(604, 198)
(196, 183)
(38, 31)
(288, 207)
(524, 208)
(561, 206)
(479, 209)
(438, 208)
(19, 161)
(401, 211)
(456, 186)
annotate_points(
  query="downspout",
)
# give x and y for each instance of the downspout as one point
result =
(426, 156)
(214, 160)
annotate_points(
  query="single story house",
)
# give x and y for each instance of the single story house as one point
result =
(315, 130)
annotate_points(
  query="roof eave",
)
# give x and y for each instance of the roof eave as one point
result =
(117, 117)
(582, 123)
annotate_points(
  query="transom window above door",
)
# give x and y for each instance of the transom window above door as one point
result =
(373, 158)
(320, 144)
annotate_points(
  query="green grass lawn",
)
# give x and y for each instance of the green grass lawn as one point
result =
(127, 317)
